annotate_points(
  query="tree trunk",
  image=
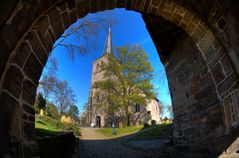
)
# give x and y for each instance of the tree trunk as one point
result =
(128, 119)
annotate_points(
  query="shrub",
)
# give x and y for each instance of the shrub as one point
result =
(146, 125)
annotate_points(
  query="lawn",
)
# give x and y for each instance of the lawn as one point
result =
(160, 131)
(120, 131)
(47, 126)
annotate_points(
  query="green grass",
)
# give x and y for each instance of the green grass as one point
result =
(47, 126)
(120, 131)
(160, 131)
(47, 123)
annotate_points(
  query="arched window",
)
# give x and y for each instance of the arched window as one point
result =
(98, 98)
(97, 66)
(137, 108)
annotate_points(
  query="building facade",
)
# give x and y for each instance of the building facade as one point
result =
(98, 117)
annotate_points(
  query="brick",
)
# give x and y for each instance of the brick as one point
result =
(29, 92)
(199, 33)
(13, 81)
(56, 22)
(188, 17)
(215, 119)
(5, 52)
(227, 84)
(71, 4)
(73, 16)
(10, 118)
(189, 131)
(160, 8)
(196, 20)
(190, 28)
(31, 118)
(146, 6)
(168, 6)
(227, 65)
(204, 93)
(31, 149)
(83, 7)
(33, 68)
(29, 130)
(8, 39)
(138, 5)
(166, 15)
(129, 5)
(153, 10)
(28, 109)
(43, 5)
(179, 10)
(62, 6)
(111, 4)
(212, 56)
(22, 21)
(21, 55)
(182, 25)
(217, 73)
(94, 6)
(24, 116)
(121, 3)
(156, 3)
(37, 47)
(42, 26)
(176, 18)
(66, 20)
(48, 43)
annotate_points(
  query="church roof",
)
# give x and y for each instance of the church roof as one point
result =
(108, 44)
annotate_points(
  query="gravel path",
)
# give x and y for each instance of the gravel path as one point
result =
(96, 145)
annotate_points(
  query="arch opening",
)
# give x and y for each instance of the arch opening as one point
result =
(28, 45)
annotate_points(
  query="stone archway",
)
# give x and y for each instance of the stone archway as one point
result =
(29, 29)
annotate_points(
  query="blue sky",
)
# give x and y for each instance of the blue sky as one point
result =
(129, 29)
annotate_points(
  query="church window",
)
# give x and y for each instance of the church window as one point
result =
(137, 108)
(97, 67)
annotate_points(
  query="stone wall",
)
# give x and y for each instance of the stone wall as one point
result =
(197, 110)
(28, 30)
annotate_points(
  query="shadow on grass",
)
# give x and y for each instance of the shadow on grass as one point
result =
(41, 133)
(40, 122)
(161, 131)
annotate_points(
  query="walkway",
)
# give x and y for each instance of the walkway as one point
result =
(95, 145)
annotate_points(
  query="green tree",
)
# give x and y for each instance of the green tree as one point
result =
(127, 81)
(73, 112)
(52, 110)
(40, 103)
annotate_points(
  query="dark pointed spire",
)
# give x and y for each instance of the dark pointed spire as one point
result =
(108, 43)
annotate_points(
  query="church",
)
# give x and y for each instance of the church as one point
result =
(140, 113)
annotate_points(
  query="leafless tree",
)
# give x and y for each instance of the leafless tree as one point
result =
(64, 96)
(48, 80)
(86, 31)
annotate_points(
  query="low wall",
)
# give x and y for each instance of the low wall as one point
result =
(59, 146)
